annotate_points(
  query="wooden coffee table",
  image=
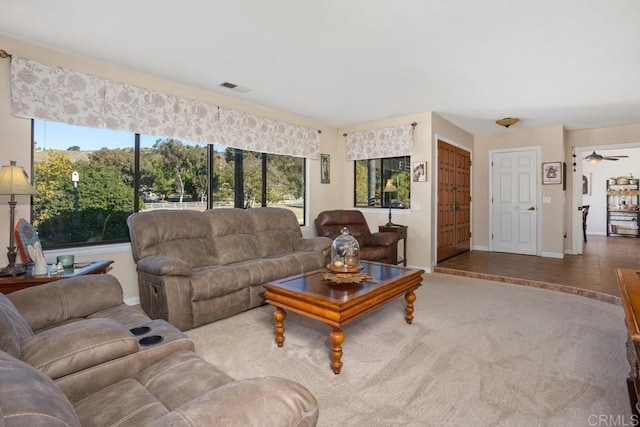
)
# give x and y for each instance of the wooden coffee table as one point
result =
(340, 304)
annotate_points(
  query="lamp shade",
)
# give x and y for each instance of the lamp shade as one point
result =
(390, 187)
(14, 180)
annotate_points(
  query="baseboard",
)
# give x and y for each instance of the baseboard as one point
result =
(552, 255)
(481, 248)
(132, 301)
(417, 267)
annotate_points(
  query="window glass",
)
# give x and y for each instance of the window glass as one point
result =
(285, 183)
(252, 179)
(223, 176)
(85, 180)
(373, 175)
(171, 174)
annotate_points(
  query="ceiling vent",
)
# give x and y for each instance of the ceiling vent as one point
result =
(235, 87)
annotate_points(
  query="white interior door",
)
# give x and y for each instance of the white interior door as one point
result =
(514, 208)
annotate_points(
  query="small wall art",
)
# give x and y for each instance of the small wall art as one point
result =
(586, 184)
(325, 169)
(419, 172)
(552, 173)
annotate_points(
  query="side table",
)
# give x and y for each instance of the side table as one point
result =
(12, 284)
(401, 230)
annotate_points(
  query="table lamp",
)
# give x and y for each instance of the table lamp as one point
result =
(13, 181)
(390, 188)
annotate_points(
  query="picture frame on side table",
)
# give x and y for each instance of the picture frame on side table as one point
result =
(552, 173)
(325, 169)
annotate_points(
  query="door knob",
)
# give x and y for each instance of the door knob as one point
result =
(532, 208)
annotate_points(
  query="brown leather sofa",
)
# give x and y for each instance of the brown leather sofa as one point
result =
(381, 247)
(198, 267)
(69, 355)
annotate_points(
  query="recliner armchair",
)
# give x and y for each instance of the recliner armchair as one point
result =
(378, 246)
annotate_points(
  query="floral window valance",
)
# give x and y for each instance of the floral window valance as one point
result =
(268, 136)
(380, 143)
(54, 93)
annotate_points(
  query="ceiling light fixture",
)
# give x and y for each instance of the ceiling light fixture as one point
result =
(507, 121)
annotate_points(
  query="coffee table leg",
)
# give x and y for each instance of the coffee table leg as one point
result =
(279, 315)
(410, 297)
(337, 337)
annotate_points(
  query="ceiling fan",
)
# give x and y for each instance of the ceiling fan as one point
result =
(595, 157)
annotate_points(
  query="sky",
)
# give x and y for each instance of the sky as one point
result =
(61, 136)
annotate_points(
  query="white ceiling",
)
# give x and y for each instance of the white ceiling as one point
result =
(341, 62)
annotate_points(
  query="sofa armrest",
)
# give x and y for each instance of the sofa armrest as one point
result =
(162, 265)
(76, 346)
(311, 244)
(268, 401)
(384, 238)
(74, 297)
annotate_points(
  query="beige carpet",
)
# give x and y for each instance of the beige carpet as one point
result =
(478, 353)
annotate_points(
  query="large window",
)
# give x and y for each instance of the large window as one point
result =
(372, 176)
(90, 180)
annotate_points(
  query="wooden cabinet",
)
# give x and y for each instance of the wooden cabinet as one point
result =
(402, 231)
(623, 215)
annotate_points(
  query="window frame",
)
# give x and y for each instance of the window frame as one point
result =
(384, 201)
(210, 153)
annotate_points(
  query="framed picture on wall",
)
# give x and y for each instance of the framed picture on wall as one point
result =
(552, 173)
(325, 169)
(419, 172)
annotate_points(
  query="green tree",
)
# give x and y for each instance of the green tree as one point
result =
(361, 184)
(252, 177)
(52, 179)
(120, 160)
(104, 201)
(179, 167)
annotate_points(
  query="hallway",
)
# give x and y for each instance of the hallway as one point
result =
(591, 274)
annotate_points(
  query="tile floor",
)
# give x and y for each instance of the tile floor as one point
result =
(591, 274)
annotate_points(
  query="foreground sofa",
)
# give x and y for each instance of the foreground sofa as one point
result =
(68, 358)
(198, 267)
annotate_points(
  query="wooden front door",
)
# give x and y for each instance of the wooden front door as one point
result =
(454, 201)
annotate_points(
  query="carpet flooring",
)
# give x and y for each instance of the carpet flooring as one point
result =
(478, 353)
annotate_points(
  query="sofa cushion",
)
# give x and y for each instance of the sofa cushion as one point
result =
(180, 377)
(14, 327)
(30, 398)
(214, 282)
(267, 401)
(233, 234)
(76, 346)
(276, 229)
(124, 314)
(125, 403)
(178, 233)
(69, 299)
